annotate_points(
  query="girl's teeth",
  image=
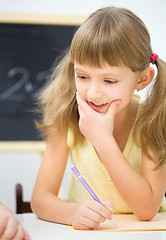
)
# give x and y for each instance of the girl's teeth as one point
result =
(98, 104)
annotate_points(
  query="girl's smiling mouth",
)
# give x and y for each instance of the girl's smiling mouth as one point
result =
(99, 107)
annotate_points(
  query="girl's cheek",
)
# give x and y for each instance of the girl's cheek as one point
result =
(81, 91)
(78, 86)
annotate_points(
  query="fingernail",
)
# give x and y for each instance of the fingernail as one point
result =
(26, 238)
(118, 102)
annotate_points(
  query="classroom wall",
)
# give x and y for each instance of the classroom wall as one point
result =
(152, 12)
(23, 166)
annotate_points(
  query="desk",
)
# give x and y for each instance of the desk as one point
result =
(42, 230)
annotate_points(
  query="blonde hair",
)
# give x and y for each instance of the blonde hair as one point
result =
(150, 127)
(119, 37)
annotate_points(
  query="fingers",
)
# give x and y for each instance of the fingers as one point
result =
(113, 107)
(92, 123)
(95, 215)
(102, 212)
(90, 214)
(109, 206)
(26, 236)
(21, 234)
(14, 230)
(85, 112)
(10, 229)
(82, 105)
(85, 223)
(2, 226)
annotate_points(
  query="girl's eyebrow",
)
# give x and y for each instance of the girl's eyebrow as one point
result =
(111, 74)
(104, 74)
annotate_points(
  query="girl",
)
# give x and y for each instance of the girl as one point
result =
(89, 110)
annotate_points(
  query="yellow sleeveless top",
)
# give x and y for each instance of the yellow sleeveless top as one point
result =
(85, 158)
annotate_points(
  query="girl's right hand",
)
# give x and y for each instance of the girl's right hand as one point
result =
(90, 214)
(103, 124)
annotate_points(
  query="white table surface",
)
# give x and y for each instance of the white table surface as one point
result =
(42, 230)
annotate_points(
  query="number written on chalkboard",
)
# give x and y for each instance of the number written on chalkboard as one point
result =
(22, 83)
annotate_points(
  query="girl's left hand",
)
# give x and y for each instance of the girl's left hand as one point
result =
(93, 124)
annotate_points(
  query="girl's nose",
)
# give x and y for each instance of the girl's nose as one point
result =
(94, 92)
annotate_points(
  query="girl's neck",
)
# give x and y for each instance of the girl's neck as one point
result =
(126, 115)
(124, 122)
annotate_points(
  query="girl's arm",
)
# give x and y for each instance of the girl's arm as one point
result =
(45, 202)
(143, 192)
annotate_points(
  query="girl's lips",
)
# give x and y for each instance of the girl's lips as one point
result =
(97, 108)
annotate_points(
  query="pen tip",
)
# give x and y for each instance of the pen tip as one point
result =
(113, 221)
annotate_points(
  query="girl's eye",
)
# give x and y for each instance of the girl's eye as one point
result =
(81, 76)
(110, 81)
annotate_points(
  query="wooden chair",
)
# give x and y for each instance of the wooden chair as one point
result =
(21, 206)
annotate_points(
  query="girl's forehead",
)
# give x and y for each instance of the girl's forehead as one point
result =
(97, 61)
(105, 69)
(104, 65)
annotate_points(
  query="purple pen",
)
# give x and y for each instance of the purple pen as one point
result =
(88, 188)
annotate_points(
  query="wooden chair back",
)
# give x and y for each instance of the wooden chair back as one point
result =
(21, 205)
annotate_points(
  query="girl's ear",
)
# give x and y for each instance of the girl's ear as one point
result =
(145, 78)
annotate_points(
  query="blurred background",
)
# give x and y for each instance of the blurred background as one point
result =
(32, 34)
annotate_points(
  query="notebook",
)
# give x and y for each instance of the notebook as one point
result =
(129, 222)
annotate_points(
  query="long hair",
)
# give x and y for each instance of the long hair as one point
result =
(119, 37)
(57, 104)
(150, 127)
